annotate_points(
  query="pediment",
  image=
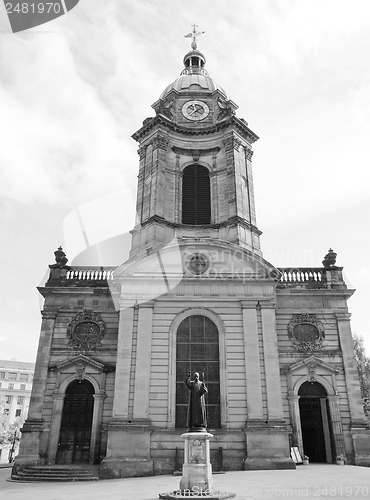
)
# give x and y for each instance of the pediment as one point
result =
(203, 259)
(313, 362)
(79, 360)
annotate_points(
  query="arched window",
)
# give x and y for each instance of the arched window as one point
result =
(196, 196)
(197, 350)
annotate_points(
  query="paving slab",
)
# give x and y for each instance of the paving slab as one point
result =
(308, 482)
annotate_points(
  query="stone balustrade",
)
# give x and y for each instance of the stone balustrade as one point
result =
(311, 277)
(304, 277)
(90, 274)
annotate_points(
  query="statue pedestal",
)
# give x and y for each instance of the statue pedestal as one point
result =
(197, 468)
(196, 478)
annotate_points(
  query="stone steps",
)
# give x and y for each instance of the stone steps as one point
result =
(56, 473)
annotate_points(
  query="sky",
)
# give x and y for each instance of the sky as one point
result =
(73, 91)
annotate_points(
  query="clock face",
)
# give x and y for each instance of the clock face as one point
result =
(195, 110)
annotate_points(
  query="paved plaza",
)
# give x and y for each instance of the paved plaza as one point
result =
(310, 482)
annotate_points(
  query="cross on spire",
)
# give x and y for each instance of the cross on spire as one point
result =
(194, 34)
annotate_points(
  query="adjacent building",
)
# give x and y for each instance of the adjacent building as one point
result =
(15, 391)
(273, 344)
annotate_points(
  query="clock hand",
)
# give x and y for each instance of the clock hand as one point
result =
(195, 109)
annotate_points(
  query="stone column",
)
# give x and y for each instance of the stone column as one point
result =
(252, 361)
(29, 452)
(96, 425)
(272, 368)
(325, 426)
(295, 417)
(56, 421)
(336, 424)
(143, 359)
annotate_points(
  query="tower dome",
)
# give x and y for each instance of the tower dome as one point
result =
(194, 76)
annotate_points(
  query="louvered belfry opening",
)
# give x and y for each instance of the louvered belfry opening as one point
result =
(196, 196)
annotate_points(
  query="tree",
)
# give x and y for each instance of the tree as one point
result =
(9, 429)
(363, 368)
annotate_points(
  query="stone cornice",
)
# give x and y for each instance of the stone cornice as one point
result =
(233, 221)
(302, 290)
(239, 125)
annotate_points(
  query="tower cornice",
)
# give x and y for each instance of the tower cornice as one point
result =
(150, 123)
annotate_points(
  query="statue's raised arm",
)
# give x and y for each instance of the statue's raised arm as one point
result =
(188, 381)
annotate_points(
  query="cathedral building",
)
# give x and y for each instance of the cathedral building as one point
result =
(273, 345)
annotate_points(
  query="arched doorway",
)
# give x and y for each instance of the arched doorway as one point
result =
(75, 431)
(315, 425)
(197, 349)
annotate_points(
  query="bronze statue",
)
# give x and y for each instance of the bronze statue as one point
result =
(197, 419)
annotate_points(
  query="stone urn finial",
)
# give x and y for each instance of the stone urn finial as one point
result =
(60, 258)
(329, 259)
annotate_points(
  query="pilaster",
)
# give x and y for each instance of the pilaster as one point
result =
(128, 445)
(231, 144)
(42, 363)
(295, 417)
(140, 185)
(252, 360)
(29, 451)
(157, 200)
(56, 422)
(350, 369)
(143, 359)
(272, 368)
(96, 427)
(326, 429)
(124, 348)
(336, 424)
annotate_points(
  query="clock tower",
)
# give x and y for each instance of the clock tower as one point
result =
(195, 177)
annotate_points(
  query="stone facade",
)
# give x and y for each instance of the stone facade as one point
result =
(116, 342)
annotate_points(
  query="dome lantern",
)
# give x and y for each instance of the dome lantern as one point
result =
(194, 76)
(194, 60)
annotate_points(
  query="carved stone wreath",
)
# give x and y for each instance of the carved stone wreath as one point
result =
(197, 263)
(306, 332)
(86, 330)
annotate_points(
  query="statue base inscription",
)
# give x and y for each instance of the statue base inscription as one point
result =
(196, 478)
